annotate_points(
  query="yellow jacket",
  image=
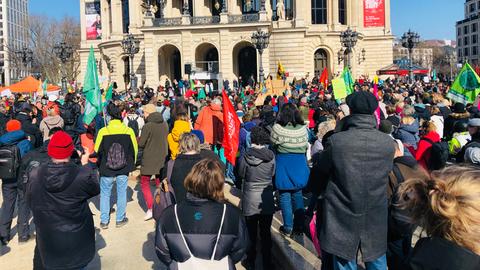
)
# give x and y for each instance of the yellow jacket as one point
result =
(179, 127)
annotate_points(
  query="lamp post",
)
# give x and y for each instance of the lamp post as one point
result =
(410, 40)
(64, 52)
(260, 40)
(131, 46)
(348, 39)
(26, 56)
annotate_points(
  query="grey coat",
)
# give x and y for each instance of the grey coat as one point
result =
(357, 161)
(257, 168)
(154, 143)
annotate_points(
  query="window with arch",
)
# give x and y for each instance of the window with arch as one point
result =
(320, 59)
(342, 11)
(319, 11)
(250, 6)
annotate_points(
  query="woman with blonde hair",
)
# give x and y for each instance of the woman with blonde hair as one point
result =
(203, 229)
(448, 207)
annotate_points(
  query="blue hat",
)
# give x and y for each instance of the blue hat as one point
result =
(199, 135)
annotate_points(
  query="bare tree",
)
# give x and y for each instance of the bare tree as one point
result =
(45, 32)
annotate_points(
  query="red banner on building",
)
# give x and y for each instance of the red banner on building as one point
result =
(373, 13)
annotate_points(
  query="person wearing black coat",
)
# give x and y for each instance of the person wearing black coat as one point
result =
(256, 168)
(355, 210)
(32, 130)
(58, 193)
(211, 228)
(4, 117)
(459, 114)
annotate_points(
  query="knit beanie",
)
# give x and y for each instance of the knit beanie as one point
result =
(60, 145)
(362, 103)
(13, 125)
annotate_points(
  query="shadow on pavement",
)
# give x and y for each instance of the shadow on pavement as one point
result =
(148, 252)
(96, 263)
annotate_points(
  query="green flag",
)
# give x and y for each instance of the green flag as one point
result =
(91, 90)
(201, 94)
(347, 78)
(339, 88)
(466, 86)
(44, 87)
(109, 94)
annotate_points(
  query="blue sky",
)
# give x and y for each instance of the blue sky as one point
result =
(433, 19)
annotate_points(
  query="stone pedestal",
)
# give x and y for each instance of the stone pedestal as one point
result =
(263, 16)
(186, 19)
(148, 20)
(224, 18)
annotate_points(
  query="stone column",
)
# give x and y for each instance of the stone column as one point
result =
(388, 26)
(335, 10)
(224, 13)
(105, 19)
(117, 24)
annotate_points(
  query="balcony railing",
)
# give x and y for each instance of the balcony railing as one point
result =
(167, 21)
(244, 18)
(207, 66)
(206, 20)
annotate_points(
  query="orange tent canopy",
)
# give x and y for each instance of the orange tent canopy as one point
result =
(29, 85)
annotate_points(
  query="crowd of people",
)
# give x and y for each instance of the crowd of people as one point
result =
(377, 168)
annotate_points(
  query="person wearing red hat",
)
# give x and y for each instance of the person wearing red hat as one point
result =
(58, 194)
(13, 142)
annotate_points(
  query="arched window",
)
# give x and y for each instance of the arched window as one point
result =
(320, 59)
(250, 6)
(319, 11)
(342, 12)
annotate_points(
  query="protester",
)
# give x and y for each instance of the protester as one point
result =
(209, 229)
(459, 114)
(423, 153)
(357, 161)
(256, 169)
(210, 122)
(153, 143)
(134, 121)
(446, 206)
(52, 120)
(180, 126)
(58, 194)
(117, 148)
(290, 140)
(30, 127)
(474, 131)
(408, 131)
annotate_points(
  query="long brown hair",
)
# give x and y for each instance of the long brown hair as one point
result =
(206, 180)
(447, 205)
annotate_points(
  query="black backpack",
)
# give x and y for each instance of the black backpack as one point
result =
(399, 221)
(439, 154)
(133, 124)
(9, 161)
(116, 158)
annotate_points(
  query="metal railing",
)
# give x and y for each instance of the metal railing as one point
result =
(206, 20)
(167, 21)
(207, 66)
(244, 18)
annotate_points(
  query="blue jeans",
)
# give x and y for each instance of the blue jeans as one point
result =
(292, 199)
(105, 192)
(332, 262)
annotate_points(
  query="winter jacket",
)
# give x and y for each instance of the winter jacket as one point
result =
(135, 117)
(290, 139)
(440, 254)
(475, 142)
(71, 110)
(58, 196)
(451, 121)
(179, 127)
(291, 171)
(357, 162)
(408, 134)
(200, 221)
(458, 141)
(116, 132)
(153, 141)
(245, 141)
(18, 138)
(257, 168)
(32, 131)
(3, 122)
(210, 122)
(48, 123)
(31, 160)
(422, 154)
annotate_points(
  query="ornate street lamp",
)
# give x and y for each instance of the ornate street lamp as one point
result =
(26, 57)
(260, 40)
(131, 46)
(410, 40)
(64, 52)
(348, 39)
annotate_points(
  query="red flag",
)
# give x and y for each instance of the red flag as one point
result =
(324, 78)
(231, 130)
(477, 70)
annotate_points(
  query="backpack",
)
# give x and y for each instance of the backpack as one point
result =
(439, 154)
(69, 117)
(133, 124)
(202, 264)
(116, 158)
(9, 161)
(164, 195)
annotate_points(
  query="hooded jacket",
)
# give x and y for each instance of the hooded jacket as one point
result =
(422, 155)
(58, 196)
(440, 254)
(408, 134)
(18, 138)
(200, 220)
(32, 131)
(451, 121)
(257, 168)
(179, 127)
(154, 144)
(210, 122)
(48, 123)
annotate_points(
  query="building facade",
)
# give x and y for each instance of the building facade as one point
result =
(213, 37)
(468, 33)
(420, 56)
(13, 37)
